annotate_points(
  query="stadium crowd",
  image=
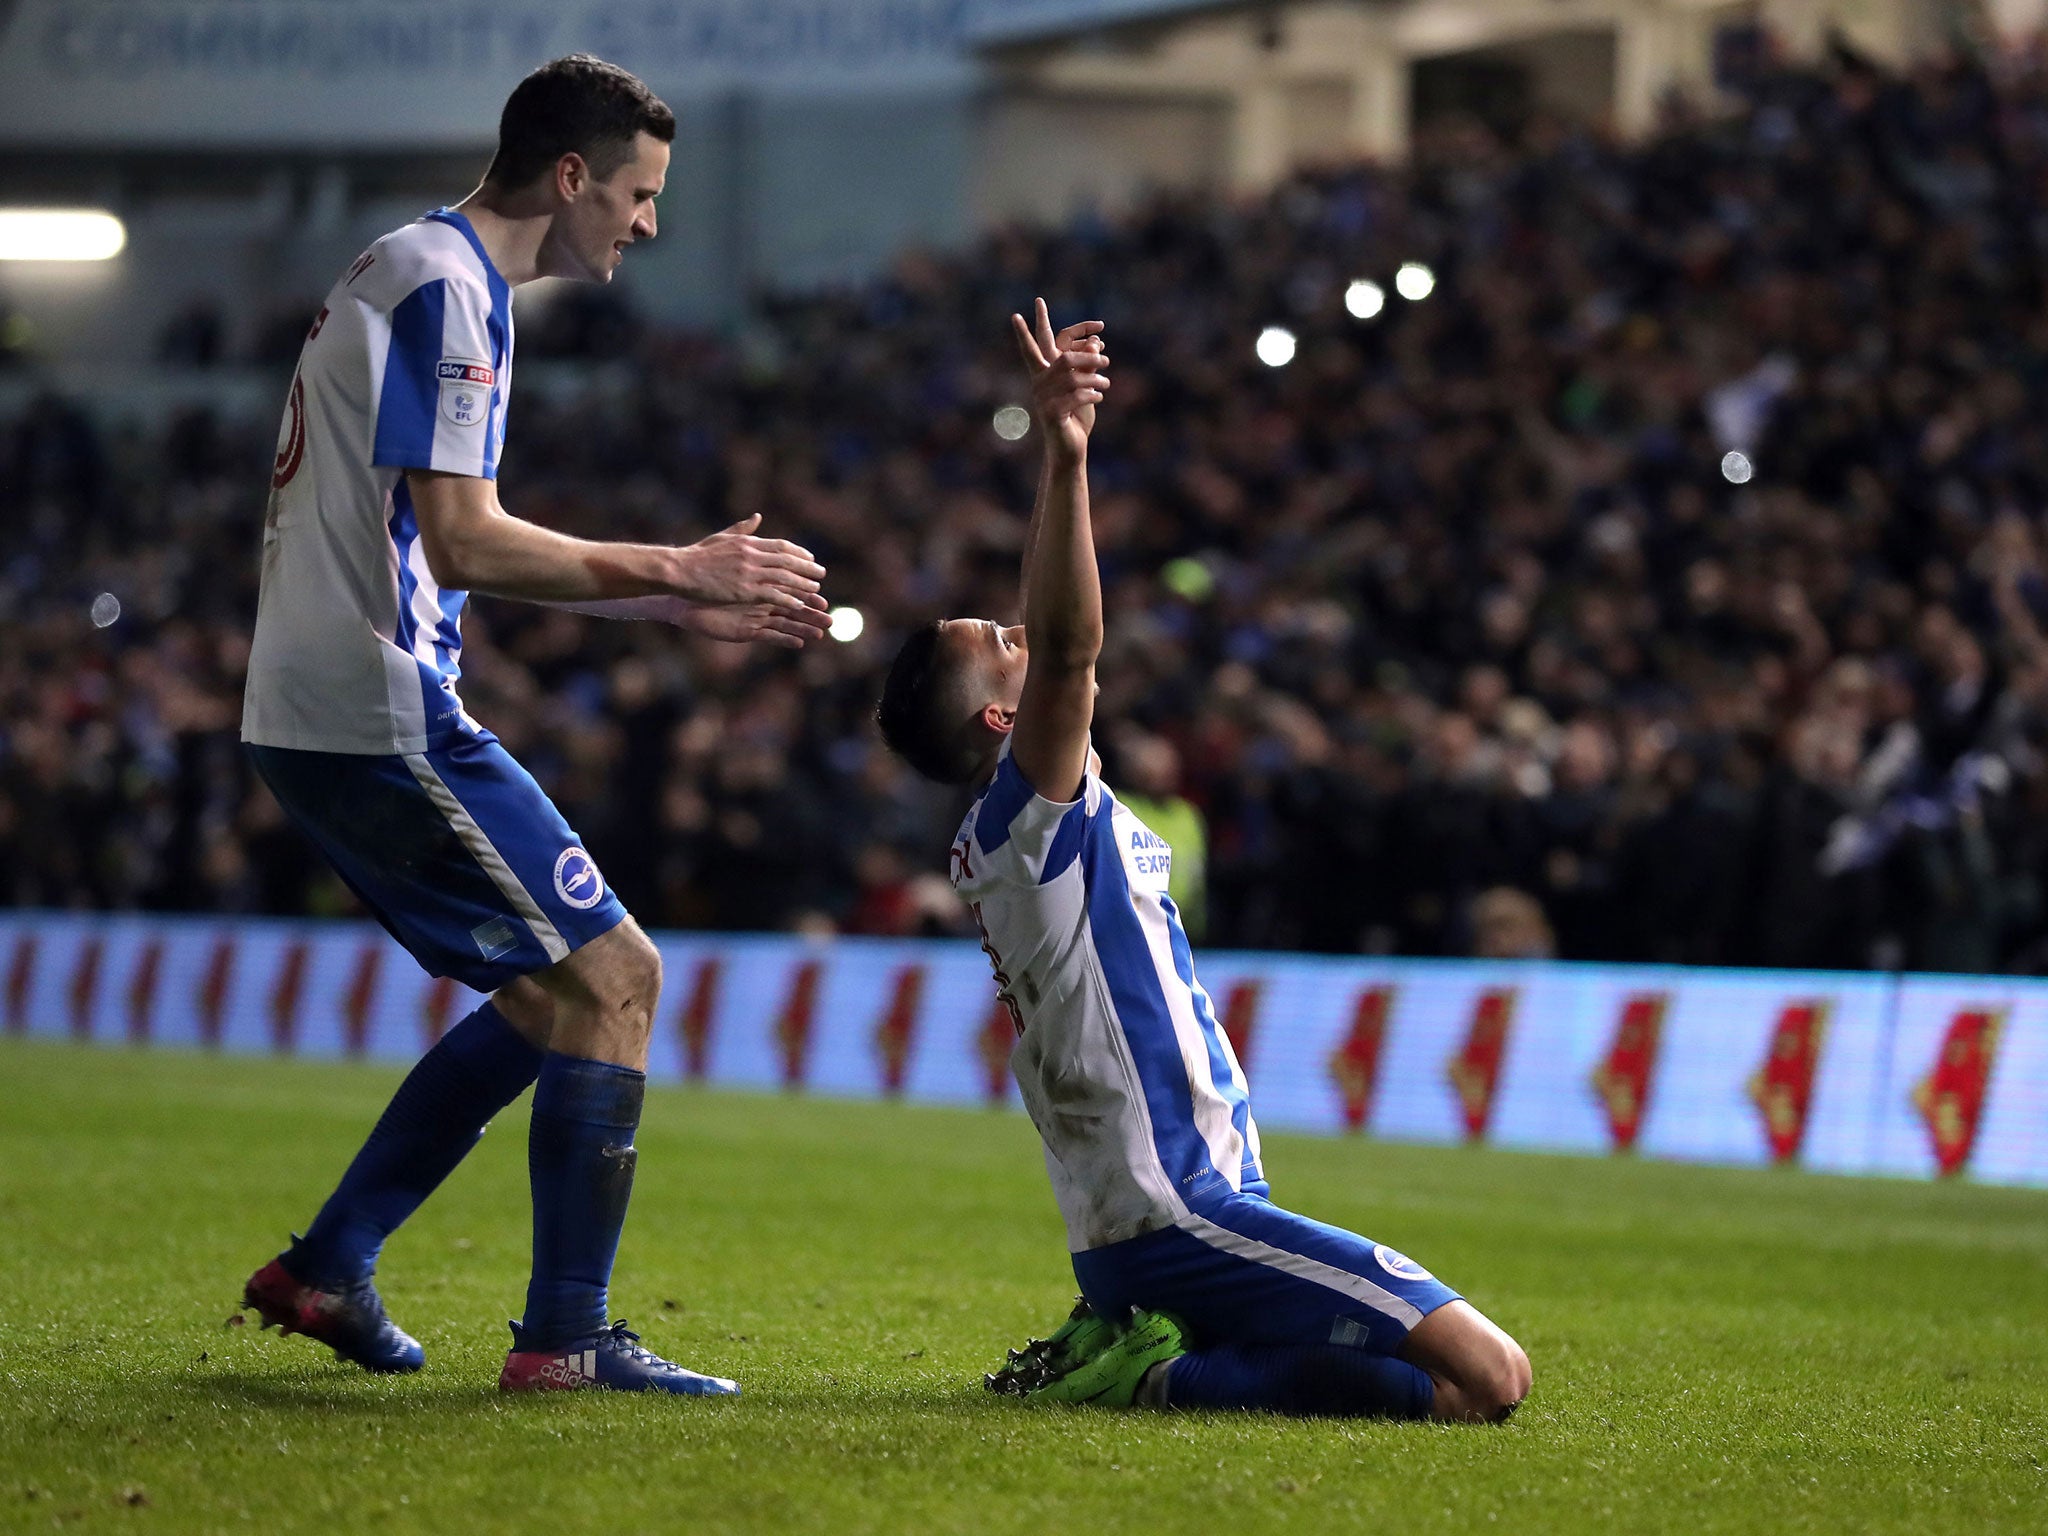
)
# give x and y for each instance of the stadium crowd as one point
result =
(1669, 583)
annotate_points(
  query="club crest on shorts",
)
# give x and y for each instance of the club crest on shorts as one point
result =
(465, 390)
(576, 879)
(1399, 1265)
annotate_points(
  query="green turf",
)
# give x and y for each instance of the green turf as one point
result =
(1714, 1350)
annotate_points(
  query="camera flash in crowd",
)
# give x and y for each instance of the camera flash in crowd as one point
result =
(1414, 281)
(1276, 346)
(847, 624)
(1365, 299)
(106, 610)
(1012, 422)
(1736, 468)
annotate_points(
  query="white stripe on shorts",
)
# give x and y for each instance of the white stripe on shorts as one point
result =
(487, 855)
(1357, 1287)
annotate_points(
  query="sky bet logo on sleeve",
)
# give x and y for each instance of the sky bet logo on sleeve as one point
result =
(465, 390)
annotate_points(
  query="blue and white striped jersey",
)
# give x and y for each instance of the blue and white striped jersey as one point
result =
(407, 366)
(1125, 1071)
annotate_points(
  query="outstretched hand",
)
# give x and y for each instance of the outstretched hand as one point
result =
(769, 623)
(734, 569)
(1069, 375)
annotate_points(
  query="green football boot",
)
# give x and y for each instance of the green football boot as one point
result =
(1079, 1339)
(1111, 1376)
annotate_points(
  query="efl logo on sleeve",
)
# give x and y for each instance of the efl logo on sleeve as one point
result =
(465, 390)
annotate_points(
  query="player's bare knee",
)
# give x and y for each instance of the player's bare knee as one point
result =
(1525, 1374)
(1500, 1381)
(631, 983)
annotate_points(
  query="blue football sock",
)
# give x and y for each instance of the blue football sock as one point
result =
(1315, 1380)
(580, 1157)
(439, 1111)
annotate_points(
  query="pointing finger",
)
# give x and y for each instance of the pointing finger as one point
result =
(1026, 344)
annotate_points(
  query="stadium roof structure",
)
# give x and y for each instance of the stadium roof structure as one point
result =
(1001, 22)
(1303, 80)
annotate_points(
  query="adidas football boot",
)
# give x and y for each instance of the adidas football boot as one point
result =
(350, 1320)
(610, 1358)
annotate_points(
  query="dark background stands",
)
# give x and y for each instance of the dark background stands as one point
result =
(1460, 599)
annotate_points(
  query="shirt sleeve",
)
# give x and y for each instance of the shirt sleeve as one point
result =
(1022, 836)
(441, 394)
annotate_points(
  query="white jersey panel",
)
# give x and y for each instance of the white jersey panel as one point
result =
(408, 366)
(1122, 1065)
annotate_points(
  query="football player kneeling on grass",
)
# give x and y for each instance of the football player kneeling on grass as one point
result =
(1198, 1291)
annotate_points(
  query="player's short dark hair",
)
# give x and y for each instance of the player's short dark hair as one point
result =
(575, 105)
(922, 716)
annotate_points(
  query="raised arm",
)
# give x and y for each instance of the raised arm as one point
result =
(1083, 336)
(732, 585)
(1062, 588)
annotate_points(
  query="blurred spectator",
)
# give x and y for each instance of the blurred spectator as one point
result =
(1509, 925)
(191, 338)
(1148, 781)
(16, 336)
(893, 900)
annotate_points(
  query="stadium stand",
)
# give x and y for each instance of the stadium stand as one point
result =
(1677, 562)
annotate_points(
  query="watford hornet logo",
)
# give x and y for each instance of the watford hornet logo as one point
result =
(1951, 1096)
(1782, 1088)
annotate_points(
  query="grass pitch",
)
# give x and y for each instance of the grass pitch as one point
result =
(1714, 1350)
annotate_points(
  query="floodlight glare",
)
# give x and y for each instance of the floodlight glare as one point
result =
(59, 234)
(1365, 298)
(1276, 346)
(1414, 281)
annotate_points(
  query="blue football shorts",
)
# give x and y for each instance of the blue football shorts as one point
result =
(1243, 1271)
(457, 851)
